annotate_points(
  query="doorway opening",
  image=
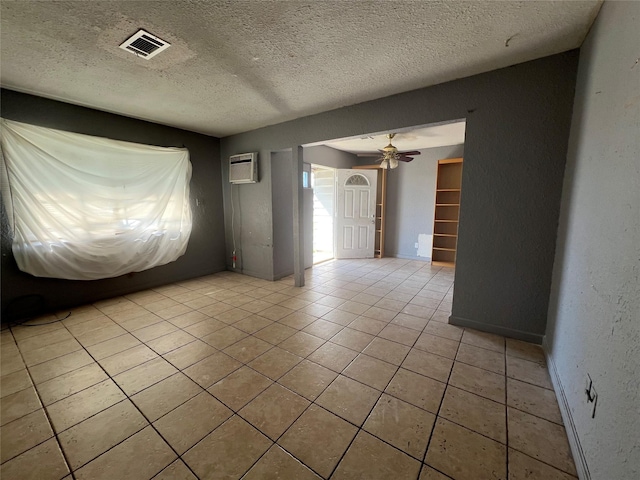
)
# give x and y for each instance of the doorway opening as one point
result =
(323, 184)
(416, 210)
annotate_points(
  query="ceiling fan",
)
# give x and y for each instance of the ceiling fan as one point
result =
(391, 156)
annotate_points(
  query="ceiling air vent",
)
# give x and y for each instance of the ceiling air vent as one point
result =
(144, 45)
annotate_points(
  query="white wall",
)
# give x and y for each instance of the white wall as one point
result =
(594, 311)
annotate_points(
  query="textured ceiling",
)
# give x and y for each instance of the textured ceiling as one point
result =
(238, 65)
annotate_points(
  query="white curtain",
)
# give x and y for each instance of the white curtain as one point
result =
(85, 208)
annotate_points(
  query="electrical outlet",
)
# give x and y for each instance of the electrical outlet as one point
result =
(415, 245)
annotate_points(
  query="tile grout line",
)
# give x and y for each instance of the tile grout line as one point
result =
(360, 428)
(150, 424)
(132, 332)
(236, 412)
(182, 370)
(424, 458)
(325, 342)
(111, 378)
(313, 402)
(227, 375)
(91, 416)
(46, 413)
(244, 364)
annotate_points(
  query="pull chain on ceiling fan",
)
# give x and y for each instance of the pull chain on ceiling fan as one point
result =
(391, 156)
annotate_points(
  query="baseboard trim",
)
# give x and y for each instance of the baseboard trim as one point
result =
(572, 434)
(497, 329)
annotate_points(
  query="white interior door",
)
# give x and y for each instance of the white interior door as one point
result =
(356, 213)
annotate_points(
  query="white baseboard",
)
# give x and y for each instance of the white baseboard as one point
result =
(572, 434)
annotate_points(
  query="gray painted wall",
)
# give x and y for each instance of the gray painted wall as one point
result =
(253, 219)
(594, 310)
(411, 191)
(281, 194)
(518, 121)
(263, 217)
(205, 252)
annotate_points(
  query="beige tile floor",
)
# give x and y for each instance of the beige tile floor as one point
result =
(356, 375)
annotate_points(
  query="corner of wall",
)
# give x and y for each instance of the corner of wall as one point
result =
(579, 457)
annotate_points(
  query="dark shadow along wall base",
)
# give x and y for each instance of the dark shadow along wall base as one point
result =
(518, 122)
(206, 250)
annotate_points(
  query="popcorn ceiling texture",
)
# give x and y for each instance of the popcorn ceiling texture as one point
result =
(236, 66)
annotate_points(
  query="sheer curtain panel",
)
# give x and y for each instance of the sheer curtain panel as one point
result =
(85, 208)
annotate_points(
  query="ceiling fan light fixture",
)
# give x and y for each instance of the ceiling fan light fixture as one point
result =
(391, 156)
(389, 149)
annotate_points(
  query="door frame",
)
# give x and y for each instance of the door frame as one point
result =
(381, 206)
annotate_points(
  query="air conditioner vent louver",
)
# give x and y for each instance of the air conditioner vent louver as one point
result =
(243, 168)
(144, 45)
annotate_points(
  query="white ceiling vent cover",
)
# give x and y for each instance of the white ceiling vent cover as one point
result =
(144, 45)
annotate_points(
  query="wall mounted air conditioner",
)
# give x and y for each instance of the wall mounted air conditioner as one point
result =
(243, 168)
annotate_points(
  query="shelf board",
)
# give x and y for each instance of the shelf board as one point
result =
(444, 235)
(378, 231)
(442, 264)
(447, 189)
(445, 161)
(447, 204)
(445, 249)
(446, 221)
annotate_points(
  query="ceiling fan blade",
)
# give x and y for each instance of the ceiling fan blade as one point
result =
(404, 158)
(367, 154)
(413, 153)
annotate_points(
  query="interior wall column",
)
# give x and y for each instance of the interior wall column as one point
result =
(298, 218)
